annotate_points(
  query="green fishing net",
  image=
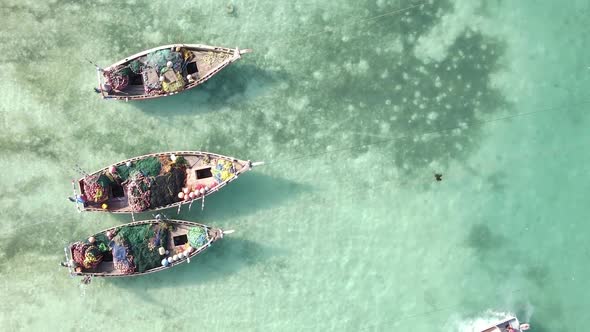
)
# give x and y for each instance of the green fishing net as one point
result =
(143, 242)
(136, 66)
(149, 166)
(105, 181)
(197, 237)
(165, 187)
(157, 59)
(123, 71)
(102, 242)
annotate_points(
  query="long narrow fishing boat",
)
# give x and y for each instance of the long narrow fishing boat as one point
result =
(509, 324)
(139, 248)
(157, 181)
(164, 71)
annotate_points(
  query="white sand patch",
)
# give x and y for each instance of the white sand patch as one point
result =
(363, 66)
(357, 69)
(435, 44)
(396, 46)
(299, 103)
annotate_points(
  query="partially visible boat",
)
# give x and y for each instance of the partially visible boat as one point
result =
(508, 324)
(164, 70)
(157, 181)
(139, 248)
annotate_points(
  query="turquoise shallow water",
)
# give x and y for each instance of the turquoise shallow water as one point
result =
(344, 229)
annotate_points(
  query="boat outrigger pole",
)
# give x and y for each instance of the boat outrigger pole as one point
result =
(68, 261)
(75, 195)
(98, 71)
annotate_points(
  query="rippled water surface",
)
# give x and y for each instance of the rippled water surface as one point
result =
(353, 105)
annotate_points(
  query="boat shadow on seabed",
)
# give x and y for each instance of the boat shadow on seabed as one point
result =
(248, 194)
(221, 260)
(234, 86)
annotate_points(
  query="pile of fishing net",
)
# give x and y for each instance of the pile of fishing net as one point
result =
(223, 170)
(149, 166)
(153, 181)
(86, 255)
(143, 242)
(197, 237)
(151, 81)
(106, 179)
(102, 242)
(164, 188)
(122, 258)
(159, 59)
(118, 78)
(136, 66)
(95, 188)
(139, 192)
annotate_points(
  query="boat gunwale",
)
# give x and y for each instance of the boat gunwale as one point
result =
(503, 321)
(156, 269)
(246, 167)
(157, 48)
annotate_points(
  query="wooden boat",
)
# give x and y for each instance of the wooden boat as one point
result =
(139, 248)
(509, 324)
(157, 181)
(164, 71)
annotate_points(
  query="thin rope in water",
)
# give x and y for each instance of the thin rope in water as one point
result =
(373, 18)
(406, 136)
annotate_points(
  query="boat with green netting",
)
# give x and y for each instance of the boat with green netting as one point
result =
(157, 181)
(164, 71)
(139, 248)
